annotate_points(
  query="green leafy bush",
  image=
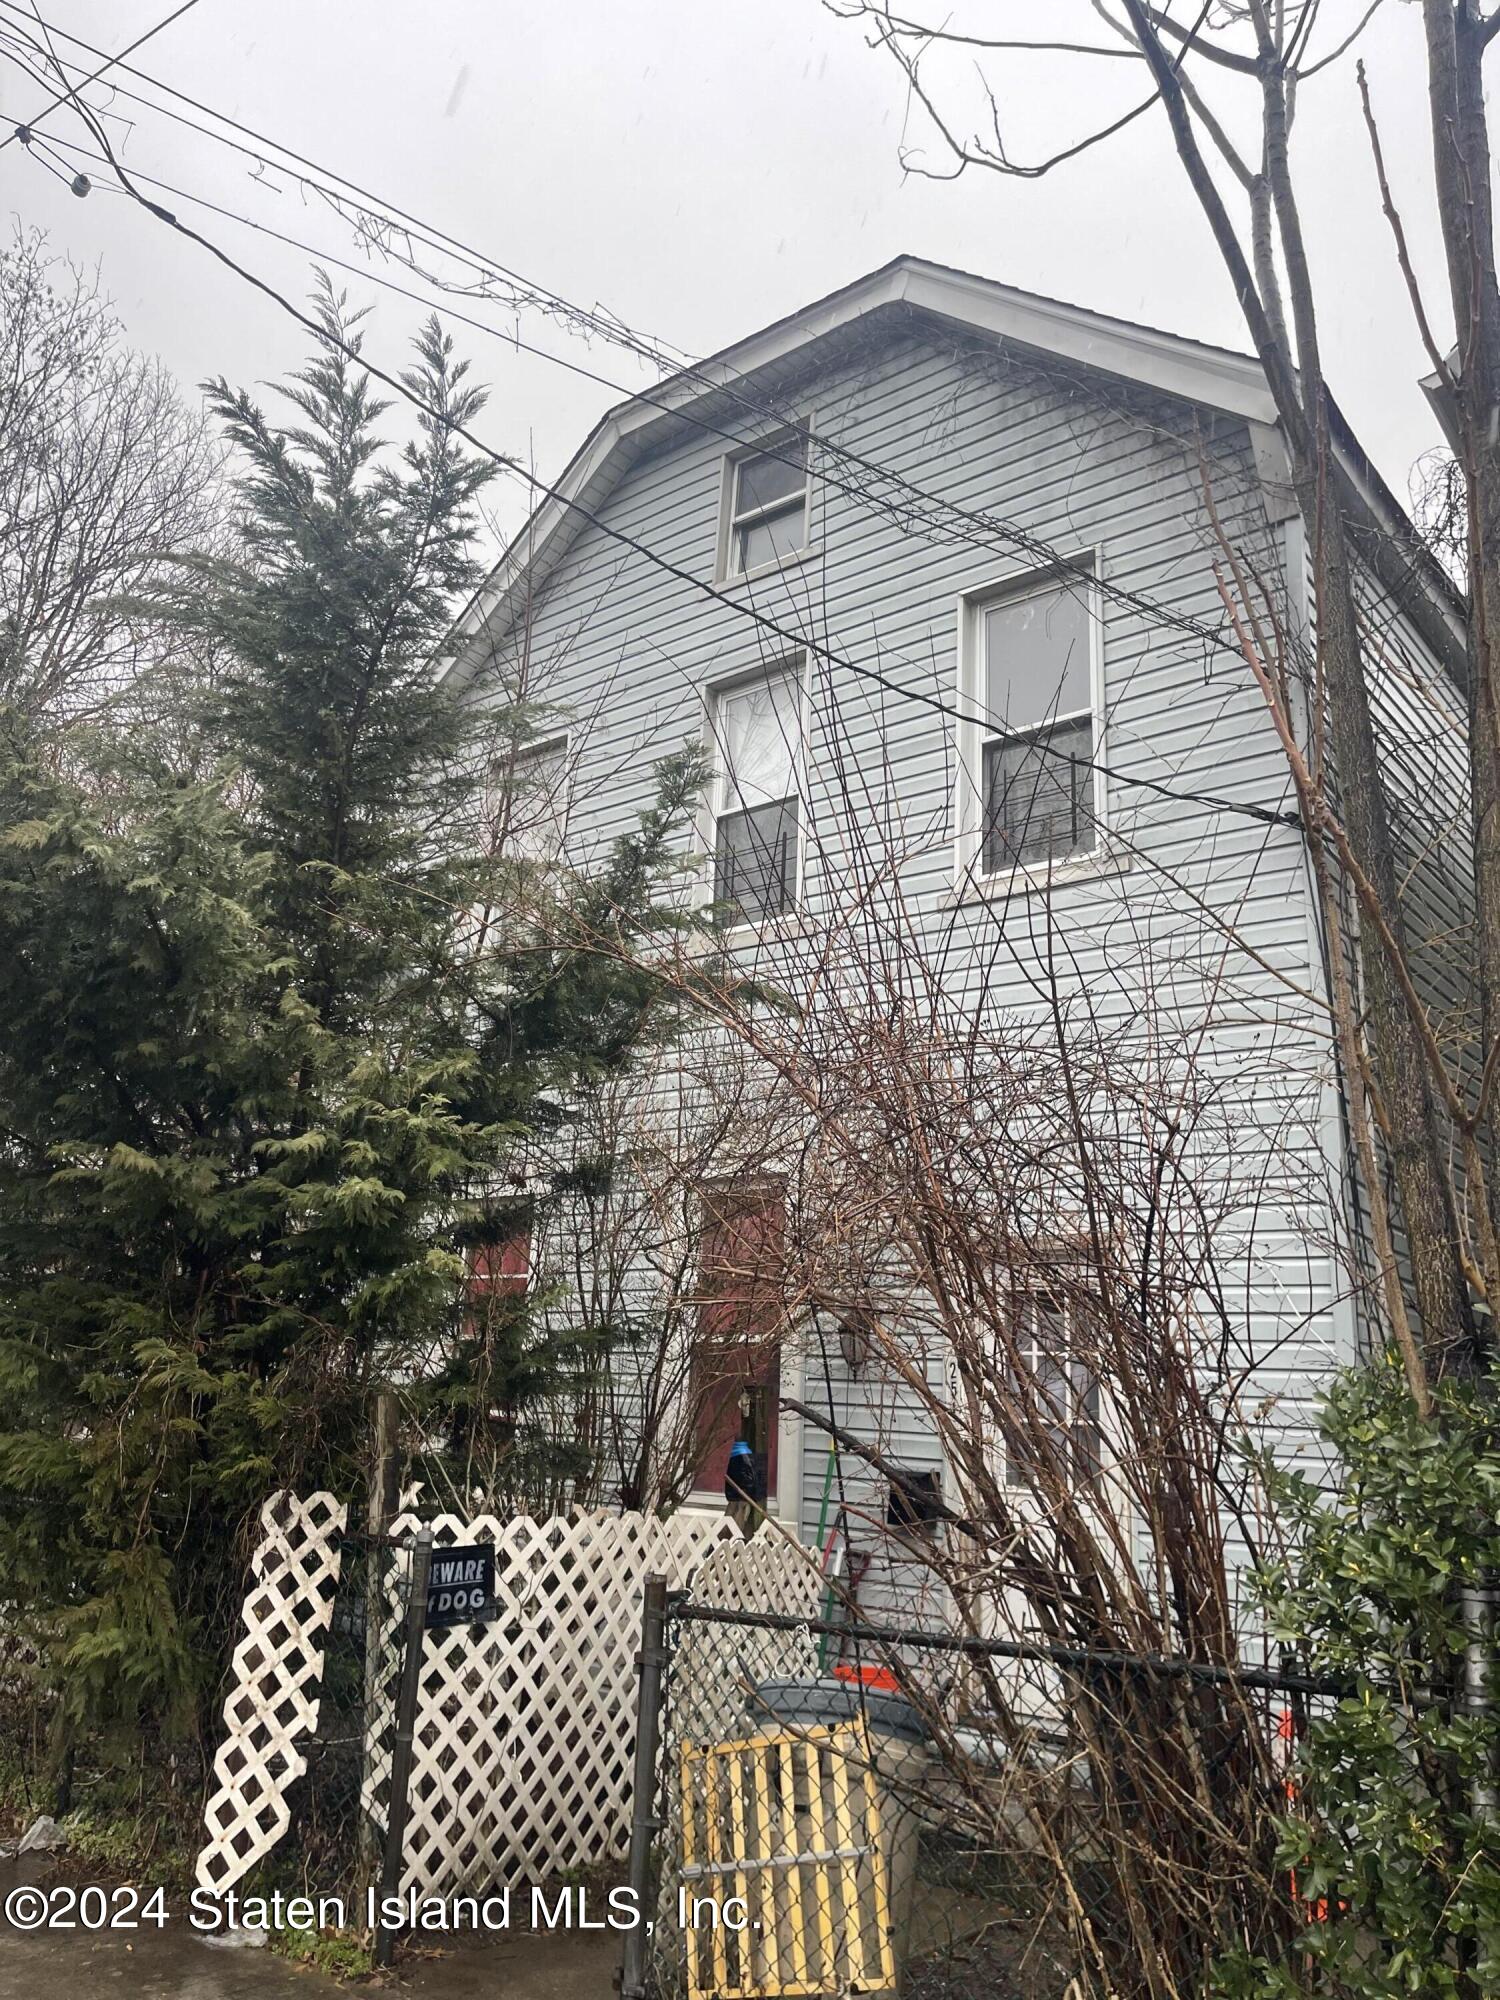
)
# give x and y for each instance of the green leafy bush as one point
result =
(282, 1028)
(1396, 1868)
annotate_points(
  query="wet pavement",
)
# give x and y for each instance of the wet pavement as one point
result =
(176, 1964)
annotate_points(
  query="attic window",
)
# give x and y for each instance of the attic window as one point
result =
(768, 505)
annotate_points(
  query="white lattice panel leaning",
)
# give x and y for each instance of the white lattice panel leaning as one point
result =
(526, 1727)
(715, 1668)
(277, 1673)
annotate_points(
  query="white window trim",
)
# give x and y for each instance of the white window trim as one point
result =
(555, 742)
(793, 667)
(543, 746)
(724, 569)
(974, 730)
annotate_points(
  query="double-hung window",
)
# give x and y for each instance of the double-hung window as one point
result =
(757, 734)
(768, 505)
(1035, 685)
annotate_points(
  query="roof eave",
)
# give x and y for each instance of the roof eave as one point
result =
(1200, 374)
(1213, 378)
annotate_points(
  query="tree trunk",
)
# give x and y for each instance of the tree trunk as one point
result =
(382, 1496)
(1413, 1135)
(1461, 162)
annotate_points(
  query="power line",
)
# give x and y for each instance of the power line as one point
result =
(797, 641)
(44, 152)
(692, 418)
(1049, 557)
(603, 324)
(22, 132)
(525, 294)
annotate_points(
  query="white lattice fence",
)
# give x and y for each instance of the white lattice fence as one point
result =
(716, 1668)
(526, 1727)
(277, 1675)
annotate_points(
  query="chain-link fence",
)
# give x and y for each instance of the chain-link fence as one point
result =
(839, 1807)
(331, 1844)
(149, 1792)
(848, 1807)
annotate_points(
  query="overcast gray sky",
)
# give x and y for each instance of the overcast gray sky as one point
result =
(699, 169)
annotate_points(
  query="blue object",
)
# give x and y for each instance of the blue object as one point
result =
(739, 1474)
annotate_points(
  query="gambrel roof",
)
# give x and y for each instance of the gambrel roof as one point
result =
(912, 290)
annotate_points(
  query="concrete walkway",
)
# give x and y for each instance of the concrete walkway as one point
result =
(175, 1964)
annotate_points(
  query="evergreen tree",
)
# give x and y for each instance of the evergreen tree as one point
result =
(266, 1071)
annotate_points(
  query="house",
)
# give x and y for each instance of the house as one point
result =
(942, 573)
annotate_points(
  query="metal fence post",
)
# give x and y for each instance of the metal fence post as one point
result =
(645, 1822)
(380, 1512)
(401, 1748)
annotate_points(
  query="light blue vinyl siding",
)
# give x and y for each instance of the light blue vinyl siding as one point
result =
(1078, 463)
(1421, 725)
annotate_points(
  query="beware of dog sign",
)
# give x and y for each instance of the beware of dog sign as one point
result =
(461, 1586)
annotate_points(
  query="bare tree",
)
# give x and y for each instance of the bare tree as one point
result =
(1430, 1111)
(1030, 1238)
(627, 1247)
(106, 475)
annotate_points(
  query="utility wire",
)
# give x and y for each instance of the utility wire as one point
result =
(655, 397)
(525, 294)
(544, 490)
(591, 321)
(1044, 554)
(23, 132)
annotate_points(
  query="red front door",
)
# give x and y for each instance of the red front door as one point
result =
(736, 1373)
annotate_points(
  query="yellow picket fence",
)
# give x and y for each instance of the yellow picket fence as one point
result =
(784, 1832)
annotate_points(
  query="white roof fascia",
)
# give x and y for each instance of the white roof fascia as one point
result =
(1177, 367)
(542, 524)
(759, 350)
(1164, 362)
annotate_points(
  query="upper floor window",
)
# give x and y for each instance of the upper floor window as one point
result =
(757, 735)
(768, 510)
(537, 797)
(1035, 685)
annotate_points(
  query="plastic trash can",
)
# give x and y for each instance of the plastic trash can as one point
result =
(900, 1757)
